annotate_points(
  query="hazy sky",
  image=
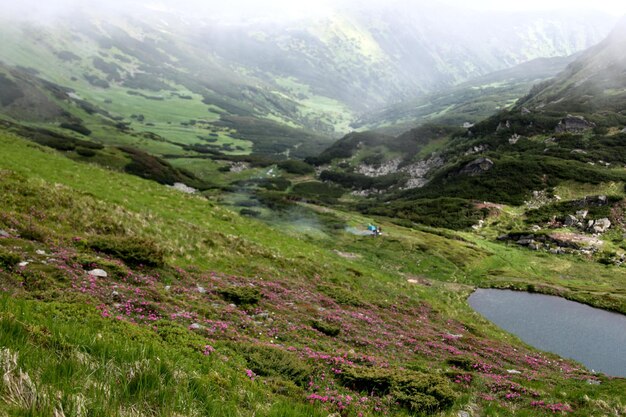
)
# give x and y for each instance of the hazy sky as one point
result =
(303, 8)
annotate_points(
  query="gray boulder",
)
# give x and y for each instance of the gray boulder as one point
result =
(573, 124)
(601, 226)
(477, 167)
(99, 273)
(570, 220)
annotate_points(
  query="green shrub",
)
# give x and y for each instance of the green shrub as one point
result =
(416, 391)
(273, 362)
(461, 362)
(8, 259)
(296, 167)
(341, 295)
(76, 127)
(318, 190)
(86, 152)
(328, 329)
(132, 250)
(241, 295)
(249, 212)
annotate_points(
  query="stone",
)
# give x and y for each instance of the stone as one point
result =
(514, 139)
(582, 214)
(534, 246)
(624, 130)
(100, 273)
(201, 290)
(570, 220)
(183, 188)
(23, 264)
(525, 110)
(4, 234)
(462, 414)
(535, 228)
(593, 382)
(477, 166)
(513, 371)
(525, 242)
(40, 252)
(195, 326)
(601, 225)
(168, 287)
(574, 124)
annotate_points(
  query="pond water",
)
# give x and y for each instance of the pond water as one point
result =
(591, 336)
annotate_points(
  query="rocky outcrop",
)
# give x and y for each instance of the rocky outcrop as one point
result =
(599, 226)
(183, 188)
(385, 168)
(417, 171)
(557, 243)
(574, 124)
(503, 125)
(514, 139)
(476, 149)
(477, 167)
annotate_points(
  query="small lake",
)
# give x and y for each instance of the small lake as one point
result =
(591, 336)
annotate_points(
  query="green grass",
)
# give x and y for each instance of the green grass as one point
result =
(357, 287)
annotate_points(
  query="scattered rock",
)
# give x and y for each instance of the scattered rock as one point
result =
(525, 110)
(23, 264)
(476, 149)
(514, 139)
(580, 151)
(513, 371)
(201, 290)
(479, 226)
(582, 214)
(624, 130)
(347, 255)
(115, 294)
(535, 228)
(477, 167)
(195, 326)
(40, 252)
(467, 125)
(462, 414)
(501, 126)
(574, 124)
(100, 273)
(4, 234)
(593, 382)
(168, 287)
(601, 225)
(570, 220)
(183, 188)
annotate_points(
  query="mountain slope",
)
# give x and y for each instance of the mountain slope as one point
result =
(134, 296)
(189, 76)
(469, 102)
(593, 83)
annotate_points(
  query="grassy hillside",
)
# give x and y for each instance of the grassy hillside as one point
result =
(206, 312)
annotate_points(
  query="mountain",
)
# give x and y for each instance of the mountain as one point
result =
(201, 82)
(593, 83)
(467, 103)
(565, 135)
(165, 250)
